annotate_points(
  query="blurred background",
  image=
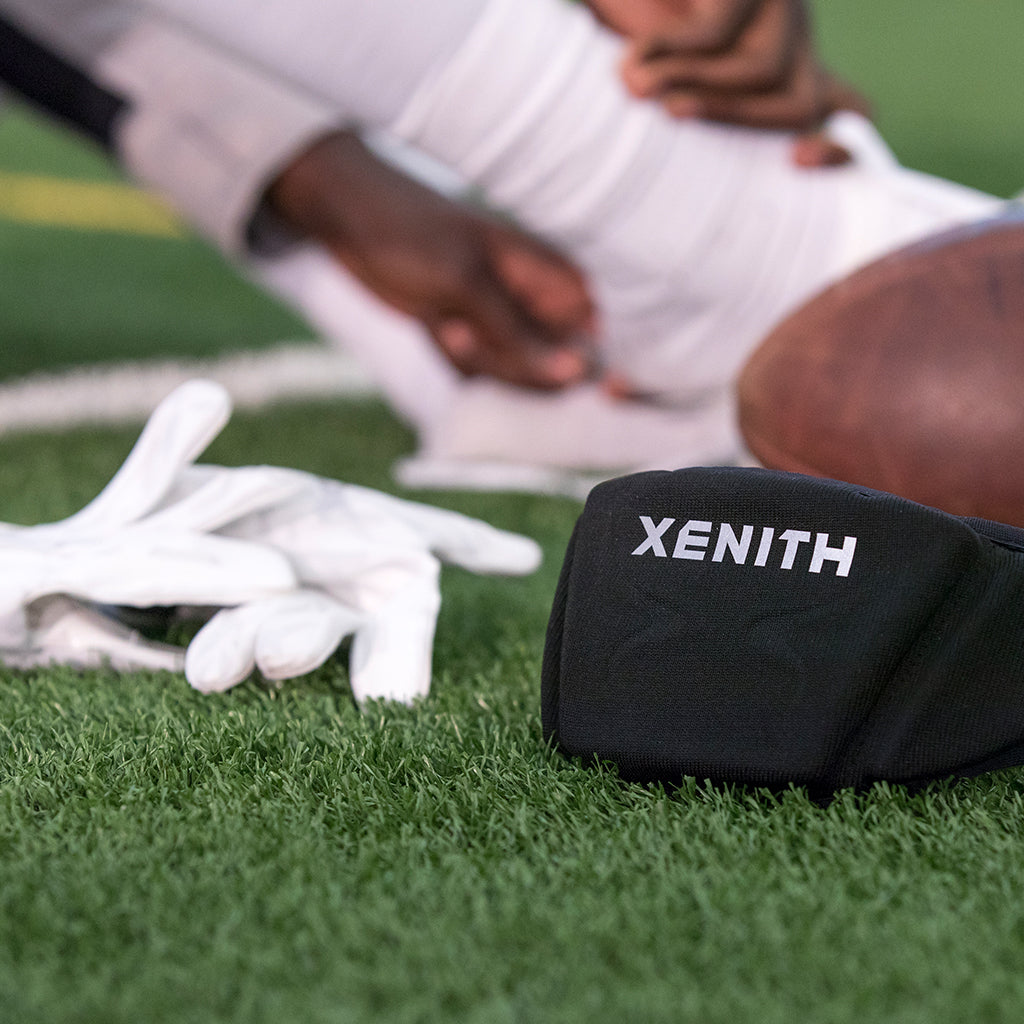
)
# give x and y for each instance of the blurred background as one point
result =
(91, 272)
(945, 78)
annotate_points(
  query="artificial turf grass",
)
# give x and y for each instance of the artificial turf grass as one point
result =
(940, 77)
(281, 856)
(75, 297)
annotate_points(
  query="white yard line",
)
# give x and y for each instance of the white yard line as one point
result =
(128, 392)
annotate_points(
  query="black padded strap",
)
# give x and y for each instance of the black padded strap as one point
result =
(60, 89)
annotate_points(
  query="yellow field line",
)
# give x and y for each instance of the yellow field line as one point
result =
(84, 206)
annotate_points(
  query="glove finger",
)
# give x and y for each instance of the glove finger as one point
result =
(223, 652)
(456, 538)
(283, 636)
(143, 567)
(392, 653)
(62, 631)
(177, 432)
(303, 635)
(480, 547)
(207, 498)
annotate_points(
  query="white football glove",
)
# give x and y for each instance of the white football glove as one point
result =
(369, 564)
(116, 550)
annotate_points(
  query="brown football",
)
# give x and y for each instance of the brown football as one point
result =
(907, 376)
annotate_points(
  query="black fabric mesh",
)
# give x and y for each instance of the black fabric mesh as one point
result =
(907, 669)
(553, 646)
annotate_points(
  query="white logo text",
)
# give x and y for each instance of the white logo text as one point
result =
(693, 541)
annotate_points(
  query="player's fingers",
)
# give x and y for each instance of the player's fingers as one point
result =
(711, 26)
(658, 78)
(816, 149)
(458, 338)
(651, 77)
(847, 134)
(549, 286)
(494, 336)
(759, 58)
(527, 364)
(754, 112)
(799, 106)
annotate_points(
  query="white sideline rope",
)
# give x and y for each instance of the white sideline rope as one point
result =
(128, 392)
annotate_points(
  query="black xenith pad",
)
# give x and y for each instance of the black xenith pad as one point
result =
(751, 626)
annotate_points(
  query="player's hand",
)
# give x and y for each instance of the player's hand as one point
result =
(496, 301)
(746, 62)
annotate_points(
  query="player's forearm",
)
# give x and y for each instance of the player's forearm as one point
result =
(205, 129)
